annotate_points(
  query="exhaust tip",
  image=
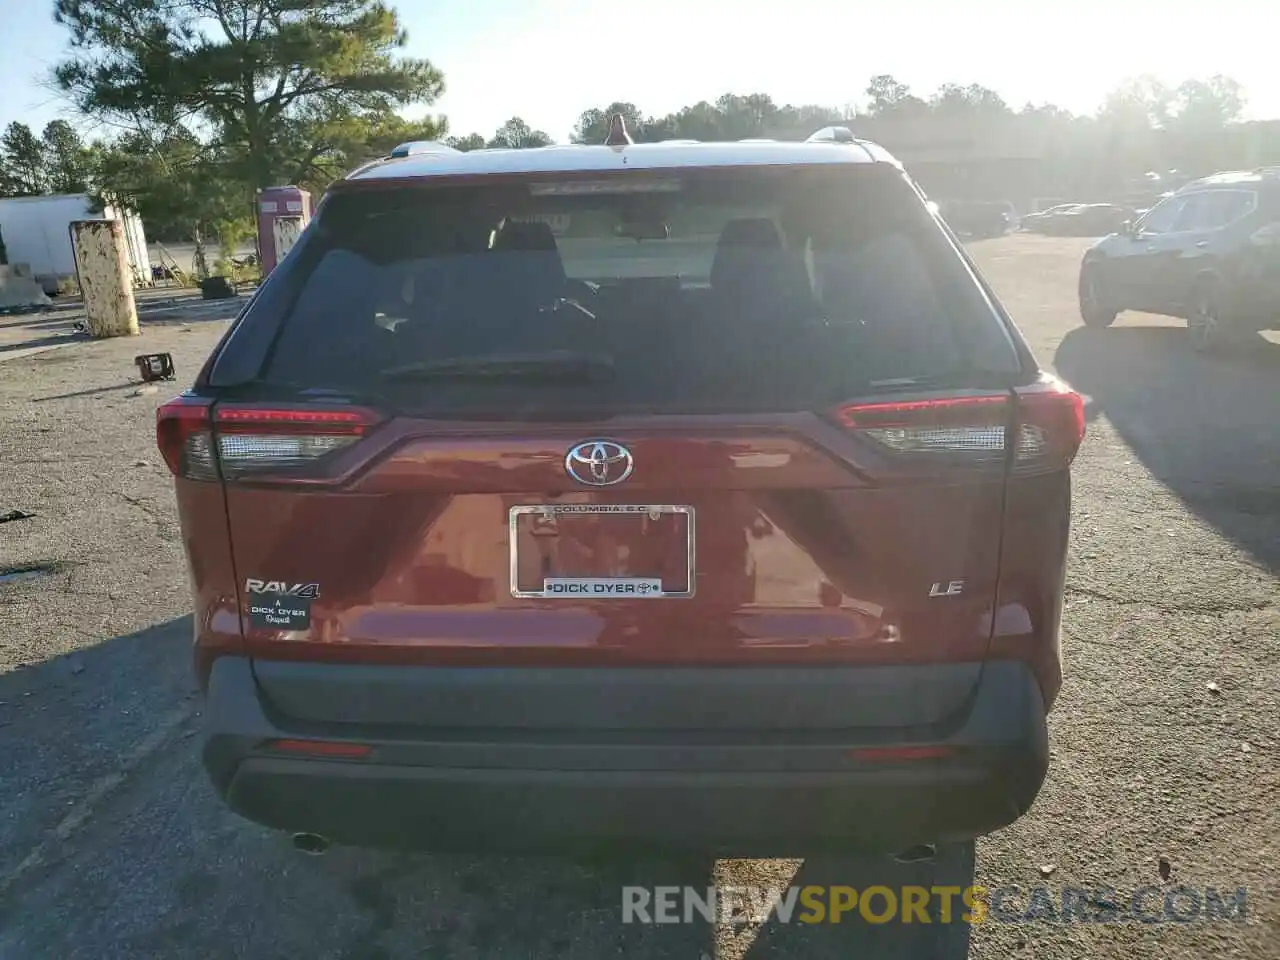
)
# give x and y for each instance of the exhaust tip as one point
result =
(311, 844)
(920, 853)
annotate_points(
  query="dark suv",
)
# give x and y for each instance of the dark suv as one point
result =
(686, 493)
(1210, 254)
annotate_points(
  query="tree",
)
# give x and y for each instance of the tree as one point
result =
(1140, 102)
(472, 141)
(1200, 133)
(277, 82)
(751, 116)
(22, 158)
(175, 183)
(1046, 112)
(701, 121)
(730, 117)
(1211, 103)
(515, 134)
(593, 124)
(890, 96)
(970, 101)
(1128, 138)
(68, 160)
(338, 145)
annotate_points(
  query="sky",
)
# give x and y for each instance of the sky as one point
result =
(548, 60)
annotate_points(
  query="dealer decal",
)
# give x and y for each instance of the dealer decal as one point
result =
(279, 604)
(628, 588)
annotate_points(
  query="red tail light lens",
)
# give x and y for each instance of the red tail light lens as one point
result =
(971, 428)
(242, 440)
(1051, 426)
(1046, 420)
(185, 438)
(321, 748)
(258, 439)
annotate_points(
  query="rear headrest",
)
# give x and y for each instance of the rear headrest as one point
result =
(528, 264)
(525, 235)
(755, 232)
(740, 249)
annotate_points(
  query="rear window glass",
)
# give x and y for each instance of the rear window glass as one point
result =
(731, 290)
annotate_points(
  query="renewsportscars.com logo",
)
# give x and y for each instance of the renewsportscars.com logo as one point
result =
(939, 904)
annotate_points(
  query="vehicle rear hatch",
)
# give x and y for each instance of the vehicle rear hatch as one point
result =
(734, 417)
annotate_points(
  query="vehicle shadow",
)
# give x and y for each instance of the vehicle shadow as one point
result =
(1207, 427)
(113, 843)
(385, 904)
(71, 725)
(873, 933)
(559, 907)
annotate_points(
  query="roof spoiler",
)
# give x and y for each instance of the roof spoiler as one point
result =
(832, 135)
(415, 147)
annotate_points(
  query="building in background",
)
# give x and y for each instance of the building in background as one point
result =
(37, 232)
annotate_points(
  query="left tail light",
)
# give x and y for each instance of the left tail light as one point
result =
(203, 442)
(185, 438)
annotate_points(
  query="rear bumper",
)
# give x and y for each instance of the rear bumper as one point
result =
(775, 793)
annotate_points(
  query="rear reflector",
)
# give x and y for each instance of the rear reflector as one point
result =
(1046, 420)
(321, 748)
(235, 441)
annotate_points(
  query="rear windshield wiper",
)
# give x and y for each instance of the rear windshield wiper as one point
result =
(965, 378)
(552, 365)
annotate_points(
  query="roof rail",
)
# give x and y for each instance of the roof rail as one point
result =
(415, 147)
(832, 135)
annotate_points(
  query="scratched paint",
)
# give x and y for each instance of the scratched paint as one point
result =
(106, 281)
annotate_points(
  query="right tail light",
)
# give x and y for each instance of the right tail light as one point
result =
(1035, 429)
(1051, 426)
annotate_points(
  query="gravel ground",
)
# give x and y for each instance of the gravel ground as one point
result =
(1166, 739)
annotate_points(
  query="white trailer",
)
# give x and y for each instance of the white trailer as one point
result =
(37, 231)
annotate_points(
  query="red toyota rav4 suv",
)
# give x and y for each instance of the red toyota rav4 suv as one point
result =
(687, 493)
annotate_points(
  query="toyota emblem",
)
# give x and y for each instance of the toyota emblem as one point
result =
(599, 463)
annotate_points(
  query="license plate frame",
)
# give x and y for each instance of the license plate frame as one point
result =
(588, 509)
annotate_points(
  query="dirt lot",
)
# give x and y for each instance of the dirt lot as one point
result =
(1166, 740)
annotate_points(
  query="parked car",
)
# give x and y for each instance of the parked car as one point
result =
(1078, 219)
(1090, 220)
(1209, 254)
(978, 218)
(745, 537)
(1035, 222)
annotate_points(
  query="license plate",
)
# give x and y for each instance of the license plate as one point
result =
(602, 551)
